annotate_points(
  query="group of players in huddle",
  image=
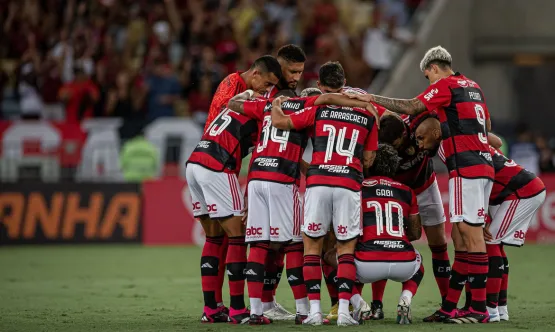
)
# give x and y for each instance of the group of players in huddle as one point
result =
(370, 190)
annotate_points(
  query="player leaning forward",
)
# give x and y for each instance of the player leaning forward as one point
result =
(464, 117)
(344, 142)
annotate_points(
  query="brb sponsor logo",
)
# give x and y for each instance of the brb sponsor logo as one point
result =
(520, 235)
(274, 231)
(254, 232)
(314, 227)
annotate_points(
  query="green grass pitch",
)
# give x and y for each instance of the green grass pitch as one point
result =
(134, 288)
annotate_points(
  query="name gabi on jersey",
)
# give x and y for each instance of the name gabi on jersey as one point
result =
(335, 168)
(342, 115)
(486, 155)
(384, 192)
(267, 162)
(203, 144)
(390, 244)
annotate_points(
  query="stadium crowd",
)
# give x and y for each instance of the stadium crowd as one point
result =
(147, 59)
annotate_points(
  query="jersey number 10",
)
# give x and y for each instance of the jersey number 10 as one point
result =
(389, 206)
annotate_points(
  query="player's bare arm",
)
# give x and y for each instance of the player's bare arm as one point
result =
(402, 106)
(414, 227)
(236, 103)
(279, 119)
(494, 141)
(368, 159)
(304, 167)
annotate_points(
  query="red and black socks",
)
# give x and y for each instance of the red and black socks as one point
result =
(346, 275)
(378, 288)
(495, 275)
(221, 270)
(209, 268)
(312, 272)
(294, 269)
(504, 279)
(441, 267)
(236, 263)
(478, 264)
(459, 275)
(330, 276)
(255, 275)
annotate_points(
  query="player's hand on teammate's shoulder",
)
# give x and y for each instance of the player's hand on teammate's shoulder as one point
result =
(362, 97)
(370, 108)
(279, 100)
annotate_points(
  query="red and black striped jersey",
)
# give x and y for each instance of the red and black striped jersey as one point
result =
(416, 168)
(232, 85)
(278, 153)
(512, 181)
(386, 206)
(463, 113)
(225, 142)
(340, 135)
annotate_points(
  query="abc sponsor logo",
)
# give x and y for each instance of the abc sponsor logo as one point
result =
(520, 235)
(274, 231)
(314, 227)
(341, 230)
(210, 207)
(254, 232)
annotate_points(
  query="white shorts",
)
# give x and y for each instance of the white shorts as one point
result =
(217, 194)
(469, 200)
(511, 219)
(368, 272)
(326, 204)
(431, 206)
(275, 212)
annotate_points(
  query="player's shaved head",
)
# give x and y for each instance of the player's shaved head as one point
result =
(267, 64)
(386, 161)
(428, 135)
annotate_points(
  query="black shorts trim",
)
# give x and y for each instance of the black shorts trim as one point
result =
(473, 225)
(512, 245)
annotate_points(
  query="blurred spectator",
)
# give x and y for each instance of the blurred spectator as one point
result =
(199, 101)
(119, 100)
(163, 91)
(524, 151)
(79, 95)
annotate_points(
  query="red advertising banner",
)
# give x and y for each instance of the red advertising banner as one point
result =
(168, 215)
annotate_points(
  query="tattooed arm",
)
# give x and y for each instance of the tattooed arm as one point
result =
(236, 103)
(279, 119)
(413, 228)
(403, 106)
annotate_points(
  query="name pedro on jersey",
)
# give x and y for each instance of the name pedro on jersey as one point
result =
(344, 115)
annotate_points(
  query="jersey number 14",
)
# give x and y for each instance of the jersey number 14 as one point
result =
(338, 146)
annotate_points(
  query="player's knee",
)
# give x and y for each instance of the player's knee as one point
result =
(436, 235)
(233, 226)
